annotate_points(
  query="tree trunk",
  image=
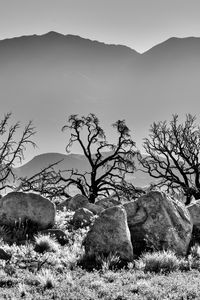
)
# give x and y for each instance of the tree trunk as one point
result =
(92, 198)
(197, 195)
(188, 200)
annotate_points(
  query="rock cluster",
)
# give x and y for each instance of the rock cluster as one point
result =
(80, 201)
(154, 221)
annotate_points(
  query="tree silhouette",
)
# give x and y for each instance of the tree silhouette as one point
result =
(46, 182)
(108, 163)
(12, 147)
(173, 155)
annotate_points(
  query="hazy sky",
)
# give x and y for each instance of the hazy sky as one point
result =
(139, 24)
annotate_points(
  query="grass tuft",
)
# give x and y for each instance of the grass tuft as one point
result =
(45, 243)
(46, 279)
(195, 251)
(109, 262)
(101, 262)
(158, 262)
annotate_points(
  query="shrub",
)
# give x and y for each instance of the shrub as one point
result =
(22, 290)
(109, 262)
(64, 219)
(45, 243)
(161, 261)
(46, 279)
(195, 251)
(194, 257)
(100, 262)
(19, 232)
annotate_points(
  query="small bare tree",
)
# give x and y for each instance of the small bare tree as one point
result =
(12, 148)
(173, 155)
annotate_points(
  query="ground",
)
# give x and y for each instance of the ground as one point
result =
(56, 273)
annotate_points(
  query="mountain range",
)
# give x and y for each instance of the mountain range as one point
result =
(70, 161)
(46, 78)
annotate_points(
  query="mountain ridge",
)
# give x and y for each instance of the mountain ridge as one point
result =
(44, 79)
(68, 162)
(54, 34)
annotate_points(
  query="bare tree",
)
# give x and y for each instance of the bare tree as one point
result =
(126, 190)
(46, 182)
(173, 155)
(12, 147)
(108, 162)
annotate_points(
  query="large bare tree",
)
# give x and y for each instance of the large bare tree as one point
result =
(173, 155)
(108, 163)
(12, 147)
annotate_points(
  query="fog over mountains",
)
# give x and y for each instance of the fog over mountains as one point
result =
(46, 78)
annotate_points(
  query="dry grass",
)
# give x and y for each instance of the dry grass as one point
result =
(45, 243)
(56, 274)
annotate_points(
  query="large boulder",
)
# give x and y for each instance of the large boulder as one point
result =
(110, 234)
(107, 202)
(77, 202)
(158, 222)
(82, 217)
(19, 206)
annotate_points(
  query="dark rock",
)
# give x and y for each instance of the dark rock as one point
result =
(20, 207)
(157, 222)
(110, 234)
(82, 217)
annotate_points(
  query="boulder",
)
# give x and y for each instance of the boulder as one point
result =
(107, 202)
(19, 206)
(95, 209)
(194, 210)
(158, 222)
(63, 205)
(82, 217)
(58, 234)
(4, 255)
(77, 202)
(110, 234)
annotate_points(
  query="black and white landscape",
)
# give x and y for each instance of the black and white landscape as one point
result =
(99, 149)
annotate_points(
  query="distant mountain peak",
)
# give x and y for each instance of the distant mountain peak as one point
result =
(175, 43)
(52, 34)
